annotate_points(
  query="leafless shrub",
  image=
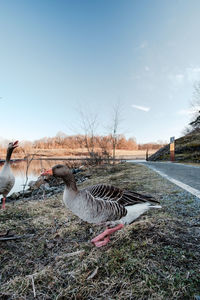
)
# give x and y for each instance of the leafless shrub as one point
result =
(28, 159)
(195, 105)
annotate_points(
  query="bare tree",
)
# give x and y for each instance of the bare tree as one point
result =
(60, 139)
(89, 124)
(195, 104)
(196, 123)
(105, 146)
(196, 95)
(116, 119)
(186, 130)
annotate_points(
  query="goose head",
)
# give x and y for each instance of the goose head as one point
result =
(57, 171)
(62, 171)
(12, 146)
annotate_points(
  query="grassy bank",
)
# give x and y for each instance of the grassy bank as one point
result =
(187, 149)
(156, 257)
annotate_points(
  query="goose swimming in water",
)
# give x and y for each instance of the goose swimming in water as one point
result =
(102, 204)
(7, 179)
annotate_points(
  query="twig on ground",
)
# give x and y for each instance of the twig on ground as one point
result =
(6, 234)
(94, 273)
(15, 237)
(33, 285)
(80, 252)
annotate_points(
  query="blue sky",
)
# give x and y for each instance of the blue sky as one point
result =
(57, 57)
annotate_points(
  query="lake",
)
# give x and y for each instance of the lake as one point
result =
(34, 170)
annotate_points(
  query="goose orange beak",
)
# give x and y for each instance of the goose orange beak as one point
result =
(48, 172)
(15, 144)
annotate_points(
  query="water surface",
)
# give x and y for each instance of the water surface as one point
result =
(34, 170)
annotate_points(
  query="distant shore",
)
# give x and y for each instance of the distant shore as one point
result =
(63, 154)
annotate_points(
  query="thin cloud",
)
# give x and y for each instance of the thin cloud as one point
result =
(135, 77)
(142, 45)
(143, 108)
(179, 78)
(189, 111)
(193, 74)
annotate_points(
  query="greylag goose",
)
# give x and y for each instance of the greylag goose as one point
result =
(7, 179)
(102, 204)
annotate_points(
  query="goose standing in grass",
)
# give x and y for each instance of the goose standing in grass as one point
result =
(102, 204)
(7, 179)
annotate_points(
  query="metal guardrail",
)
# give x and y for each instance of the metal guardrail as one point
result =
(80, 159)
(76, 159)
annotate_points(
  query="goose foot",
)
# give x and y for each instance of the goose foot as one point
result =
(103, 238)
(3, 203)
(103, 242)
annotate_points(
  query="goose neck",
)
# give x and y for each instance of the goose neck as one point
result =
(71, 184)
(8, 156)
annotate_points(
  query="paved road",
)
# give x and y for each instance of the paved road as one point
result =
(186, 174)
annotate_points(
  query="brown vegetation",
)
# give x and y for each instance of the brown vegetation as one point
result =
(78, 145)
(78, 141)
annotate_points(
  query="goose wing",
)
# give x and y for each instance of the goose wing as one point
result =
(6, 184)
(98, 210)
(122, 197)
(105, 192)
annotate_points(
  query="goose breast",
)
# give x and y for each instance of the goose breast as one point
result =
(6, 184)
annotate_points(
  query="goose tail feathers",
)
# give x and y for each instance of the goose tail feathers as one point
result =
(130, 198)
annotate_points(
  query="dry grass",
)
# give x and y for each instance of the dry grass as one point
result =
(80, 152)
(157, 257)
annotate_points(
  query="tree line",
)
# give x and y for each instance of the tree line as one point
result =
(62, 141)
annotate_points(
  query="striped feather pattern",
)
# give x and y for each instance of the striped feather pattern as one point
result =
(110, 210)
(122, 197)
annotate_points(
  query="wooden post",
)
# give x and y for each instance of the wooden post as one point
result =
(172, 148)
